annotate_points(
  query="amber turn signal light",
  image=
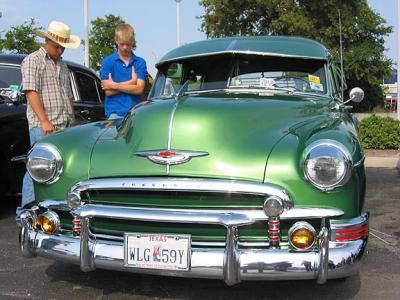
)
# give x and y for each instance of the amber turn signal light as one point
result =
(49, 222)
(302, 236)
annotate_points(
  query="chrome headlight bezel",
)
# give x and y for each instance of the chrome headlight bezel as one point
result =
(47, 152)
(328, 149)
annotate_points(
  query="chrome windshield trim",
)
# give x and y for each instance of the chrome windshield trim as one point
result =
(184, 184)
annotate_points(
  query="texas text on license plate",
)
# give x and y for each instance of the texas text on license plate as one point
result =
(157, 251)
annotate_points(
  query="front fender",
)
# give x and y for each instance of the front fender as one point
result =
(75, 146)
(285, 168)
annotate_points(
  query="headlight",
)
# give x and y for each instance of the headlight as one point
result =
(44, 163)
(327, 164)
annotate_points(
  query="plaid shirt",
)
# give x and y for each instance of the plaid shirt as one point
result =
(51, 80)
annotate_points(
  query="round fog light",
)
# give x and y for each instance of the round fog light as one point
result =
(302, 236)
(49, 221)
(273, 206)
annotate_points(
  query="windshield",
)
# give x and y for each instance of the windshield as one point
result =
(243, 73)
(10, 77)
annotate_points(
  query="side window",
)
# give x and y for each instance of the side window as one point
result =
(87, 87)
(173, 80)
(167, 81)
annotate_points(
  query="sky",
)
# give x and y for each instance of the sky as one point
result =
(154, 21)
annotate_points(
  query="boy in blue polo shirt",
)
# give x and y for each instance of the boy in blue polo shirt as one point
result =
(123, 74)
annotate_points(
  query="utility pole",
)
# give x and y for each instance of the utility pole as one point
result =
(86, 29)
(398, 60)
(178, 23)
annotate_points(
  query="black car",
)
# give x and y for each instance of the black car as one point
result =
(14, 133)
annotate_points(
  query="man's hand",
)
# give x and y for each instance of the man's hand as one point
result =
(37, 106)
(132, 86)
(47, 127)
(134, 76)
(73, 122)
(108, 84)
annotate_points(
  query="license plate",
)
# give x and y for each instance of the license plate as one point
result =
(157, 251)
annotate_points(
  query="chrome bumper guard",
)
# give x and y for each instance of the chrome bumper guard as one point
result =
(330, 260)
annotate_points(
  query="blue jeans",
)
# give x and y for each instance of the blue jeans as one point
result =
(28, 194)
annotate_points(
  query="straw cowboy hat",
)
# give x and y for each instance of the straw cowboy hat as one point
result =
(61, 34)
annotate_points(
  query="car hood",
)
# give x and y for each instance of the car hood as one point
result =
(237, 135)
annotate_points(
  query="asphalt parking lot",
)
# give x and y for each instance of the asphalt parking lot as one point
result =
(379, 276)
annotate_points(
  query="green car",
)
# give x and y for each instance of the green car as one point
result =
(243, 164)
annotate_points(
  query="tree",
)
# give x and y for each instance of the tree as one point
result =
(363, 33)
(101, 38)
(21, 39)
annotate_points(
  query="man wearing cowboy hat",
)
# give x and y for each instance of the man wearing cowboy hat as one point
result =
(45, 81)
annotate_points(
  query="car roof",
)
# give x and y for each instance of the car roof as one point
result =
(284, 46)
(16, 59)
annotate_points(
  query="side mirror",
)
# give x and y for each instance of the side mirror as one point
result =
(356, 95)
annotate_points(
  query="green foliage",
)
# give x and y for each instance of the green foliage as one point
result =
(363, 33)
(380, 133)
(21, 39)
(101, 38)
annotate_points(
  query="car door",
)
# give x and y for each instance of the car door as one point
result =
(88, 96)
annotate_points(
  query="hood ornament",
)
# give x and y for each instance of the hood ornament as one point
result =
(170, 157)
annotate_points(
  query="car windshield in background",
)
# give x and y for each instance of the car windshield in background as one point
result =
(243, 73)
(10, 77)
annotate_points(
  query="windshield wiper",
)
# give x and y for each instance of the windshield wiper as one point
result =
(272, 88)
(225, 90)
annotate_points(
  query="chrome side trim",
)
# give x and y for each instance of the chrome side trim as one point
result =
(347, 224)
(350, 224)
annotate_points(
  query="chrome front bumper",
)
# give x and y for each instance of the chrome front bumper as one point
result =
(233, 264)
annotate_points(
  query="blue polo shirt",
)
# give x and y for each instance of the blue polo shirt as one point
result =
(121, 103)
